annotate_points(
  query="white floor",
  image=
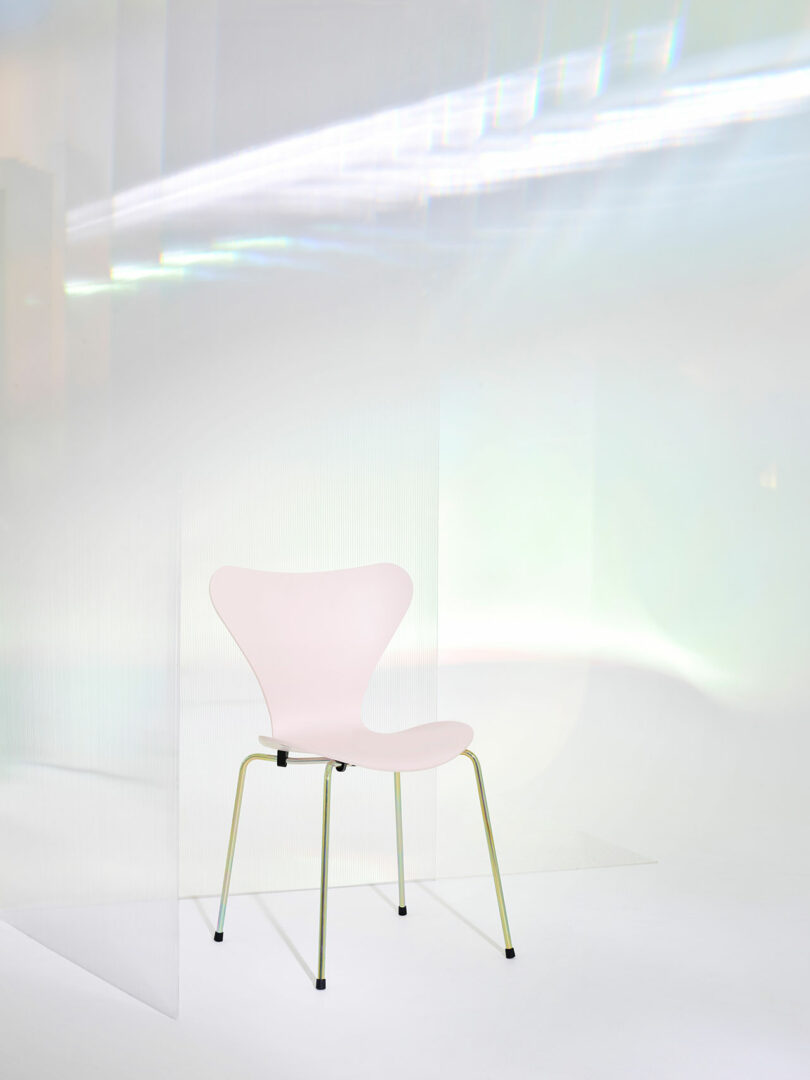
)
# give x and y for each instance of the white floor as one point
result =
(650, 972)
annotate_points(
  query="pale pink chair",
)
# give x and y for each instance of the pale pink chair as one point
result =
(313, 641)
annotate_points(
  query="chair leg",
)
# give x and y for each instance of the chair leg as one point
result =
(400, 860)
(237, 807)
(493, 858)
(320, 981)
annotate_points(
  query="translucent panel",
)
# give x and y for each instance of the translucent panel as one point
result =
(324, 459)
(90, 540)
(310, 436)
(624, 418)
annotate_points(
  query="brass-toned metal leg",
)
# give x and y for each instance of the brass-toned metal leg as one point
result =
(400, 861)
(320, 981)
(493, 858)
(237, 807)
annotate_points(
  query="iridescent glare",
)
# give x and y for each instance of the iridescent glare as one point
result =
(454, 143)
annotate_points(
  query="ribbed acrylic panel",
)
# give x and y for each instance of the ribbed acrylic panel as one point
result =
(316, 449)
(89, 538)
(310, 433)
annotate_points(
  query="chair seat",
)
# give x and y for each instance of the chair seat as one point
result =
(422, 747)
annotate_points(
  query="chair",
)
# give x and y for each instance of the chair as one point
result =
(313, 641)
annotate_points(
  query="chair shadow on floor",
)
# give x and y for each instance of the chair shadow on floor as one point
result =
(265, 909)
(270, 915)
(203, 914)
(447, 906)
(385, 899)
(282, 933)
(462, 918)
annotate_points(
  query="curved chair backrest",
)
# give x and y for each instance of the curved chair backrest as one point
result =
(313, 639)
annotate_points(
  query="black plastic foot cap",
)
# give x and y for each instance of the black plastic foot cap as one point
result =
(402, 910)
(510, 954)
(218, 936)
(320, 984)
